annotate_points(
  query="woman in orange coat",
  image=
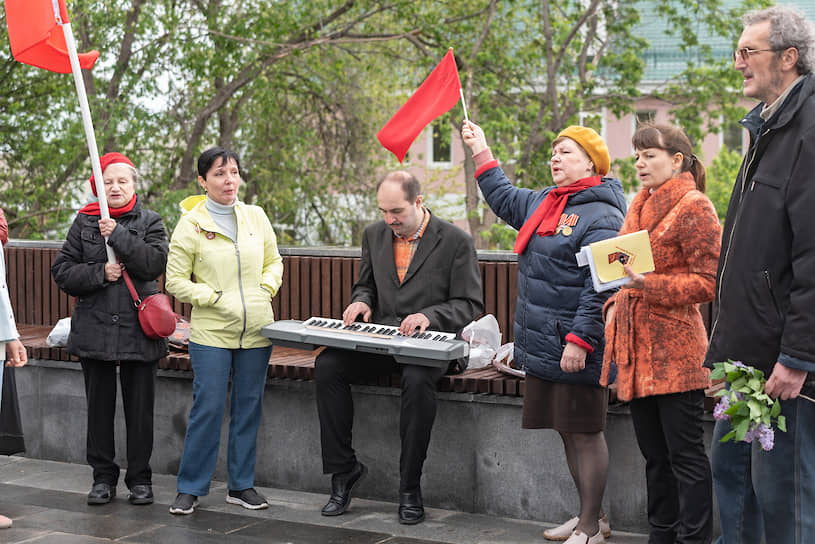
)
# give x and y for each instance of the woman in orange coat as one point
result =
(655, 334)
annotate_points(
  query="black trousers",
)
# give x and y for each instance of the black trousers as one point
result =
(680, 487)
(335, 370)
(138, 381)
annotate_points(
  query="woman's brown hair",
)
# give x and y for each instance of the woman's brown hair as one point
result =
(673, 140)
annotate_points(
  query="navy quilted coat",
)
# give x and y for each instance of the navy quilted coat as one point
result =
(555, 296)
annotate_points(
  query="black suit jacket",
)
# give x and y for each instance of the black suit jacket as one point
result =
(442, 282)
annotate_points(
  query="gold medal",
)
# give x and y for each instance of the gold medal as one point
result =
(566, 230)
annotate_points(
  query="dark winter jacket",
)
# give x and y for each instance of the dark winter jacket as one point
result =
(104, 324)
(765, 293)
(555, 296)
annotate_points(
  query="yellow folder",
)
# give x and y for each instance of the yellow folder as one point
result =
(610, 255)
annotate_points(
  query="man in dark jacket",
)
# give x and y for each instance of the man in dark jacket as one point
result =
(765, 298)
(416, 272)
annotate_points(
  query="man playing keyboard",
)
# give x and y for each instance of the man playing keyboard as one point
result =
(417, 272)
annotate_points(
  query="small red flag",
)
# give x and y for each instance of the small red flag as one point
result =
(36, 37)
(434, 97)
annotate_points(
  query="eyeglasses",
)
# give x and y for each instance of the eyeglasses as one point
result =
(744, 52)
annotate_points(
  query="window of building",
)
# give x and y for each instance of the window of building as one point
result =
(645, 116)
(442, 148)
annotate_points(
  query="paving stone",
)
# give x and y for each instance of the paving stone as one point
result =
(184, 535)
(275, 531)
(48, 502)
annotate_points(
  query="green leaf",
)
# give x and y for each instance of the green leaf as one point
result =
(718, 373)
(729, 436)
(776, 409)
(755, 409)
(741, 429)
(781, 422)
(739, 384)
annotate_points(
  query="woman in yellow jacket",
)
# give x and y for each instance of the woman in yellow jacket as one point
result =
(229, 250)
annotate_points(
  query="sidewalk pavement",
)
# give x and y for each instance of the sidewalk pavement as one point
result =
(47, 501)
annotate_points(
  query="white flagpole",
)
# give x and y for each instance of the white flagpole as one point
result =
(463, 104)
(88, 124)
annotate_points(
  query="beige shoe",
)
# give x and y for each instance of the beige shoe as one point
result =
(563, 532)
(582, 538)
(5, 522)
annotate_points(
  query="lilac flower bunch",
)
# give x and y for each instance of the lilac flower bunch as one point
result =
(751, 411)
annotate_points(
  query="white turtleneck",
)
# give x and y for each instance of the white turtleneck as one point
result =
(224, 217)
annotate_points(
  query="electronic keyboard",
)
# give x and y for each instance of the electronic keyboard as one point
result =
(430, 348)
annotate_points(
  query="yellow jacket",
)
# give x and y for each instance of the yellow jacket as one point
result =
(232, 284)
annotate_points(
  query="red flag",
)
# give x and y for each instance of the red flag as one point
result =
(434, 97)
(36, 36)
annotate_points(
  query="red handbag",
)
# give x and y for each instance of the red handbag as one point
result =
(156, 315)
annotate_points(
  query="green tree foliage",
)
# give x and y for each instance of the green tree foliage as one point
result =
(531, 68)
(300, 88)
(296, 88)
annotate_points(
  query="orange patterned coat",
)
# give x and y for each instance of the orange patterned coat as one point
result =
(656, 335)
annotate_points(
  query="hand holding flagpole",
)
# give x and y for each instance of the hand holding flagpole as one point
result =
(35, 40)
(90, 136)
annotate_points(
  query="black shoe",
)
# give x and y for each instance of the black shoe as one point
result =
(184, 504)
(141, 494)
(342, 484)
(411, 510)
(101, 493)
(248, 498)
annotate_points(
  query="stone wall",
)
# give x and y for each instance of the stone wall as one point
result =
(479, 460)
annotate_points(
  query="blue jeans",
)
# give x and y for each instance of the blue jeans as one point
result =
(772, 490)
(211, 367)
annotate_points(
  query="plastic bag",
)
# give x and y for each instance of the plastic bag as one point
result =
(58, 337)
(484, 337)
(180, 339)
(504, 361)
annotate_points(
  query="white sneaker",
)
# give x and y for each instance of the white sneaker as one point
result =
(582, 538)
(564, 531)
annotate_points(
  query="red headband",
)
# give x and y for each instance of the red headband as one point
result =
(106, 160)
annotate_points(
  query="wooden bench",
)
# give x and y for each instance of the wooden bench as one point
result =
(315, 282)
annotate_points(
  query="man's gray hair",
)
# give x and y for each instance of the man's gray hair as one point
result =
(788, 28)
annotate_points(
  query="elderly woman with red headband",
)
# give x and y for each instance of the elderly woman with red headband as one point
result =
(558, 315)
(105, 328)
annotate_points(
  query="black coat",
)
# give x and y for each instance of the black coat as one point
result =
(765, 295)
(442, 282)
(104, 324)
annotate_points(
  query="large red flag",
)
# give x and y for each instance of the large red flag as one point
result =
(36, 36)
(434, 97)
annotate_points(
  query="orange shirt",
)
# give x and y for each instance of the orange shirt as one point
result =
(405, 248)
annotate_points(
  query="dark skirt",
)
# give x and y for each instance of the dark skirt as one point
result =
(564, 407)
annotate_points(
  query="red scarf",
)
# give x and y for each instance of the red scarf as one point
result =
(545, 218)
(93, 208)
